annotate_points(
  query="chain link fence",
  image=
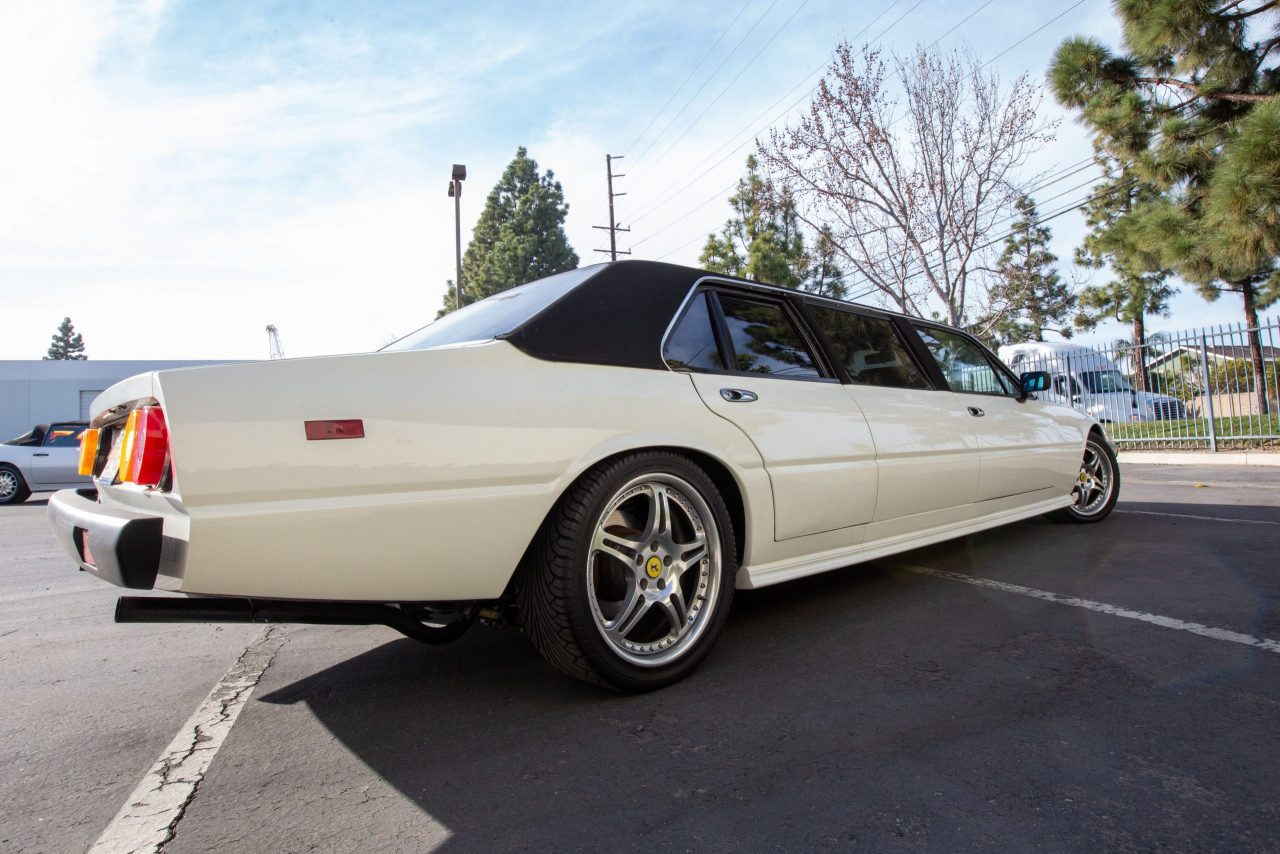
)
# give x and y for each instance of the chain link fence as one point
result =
(1207, 389)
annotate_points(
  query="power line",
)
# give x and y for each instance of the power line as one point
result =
(680, 88)
(1075, 206)
(726, 88)
(710, 77)
(681, 182)
(672, 191)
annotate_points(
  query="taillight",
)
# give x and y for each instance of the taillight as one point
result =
(127, 445)
(144, 447)
(150, 447)
(88, 450)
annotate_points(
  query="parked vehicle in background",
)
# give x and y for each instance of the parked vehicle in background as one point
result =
(1090, 382)
(599, 457)
(44, 459)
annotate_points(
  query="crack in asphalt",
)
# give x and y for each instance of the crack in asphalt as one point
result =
(149, 818)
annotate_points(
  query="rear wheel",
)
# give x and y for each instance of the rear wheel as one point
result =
(632, 578)
(1097, 484)
(13, 489)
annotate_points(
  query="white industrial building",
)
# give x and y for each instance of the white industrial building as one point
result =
(39, 391)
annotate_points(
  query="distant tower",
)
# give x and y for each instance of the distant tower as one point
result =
(273, 342)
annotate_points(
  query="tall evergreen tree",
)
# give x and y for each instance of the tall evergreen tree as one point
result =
(67, 344)
(763, 241)
(519, 236)
(1138, 283)
(1029, 297)
(1205, 89)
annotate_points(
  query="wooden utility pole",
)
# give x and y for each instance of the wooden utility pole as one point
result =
(612, 227)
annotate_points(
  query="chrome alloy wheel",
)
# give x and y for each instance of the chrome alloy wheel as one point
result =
(9, 484)
(1095, 482)
(653, 570)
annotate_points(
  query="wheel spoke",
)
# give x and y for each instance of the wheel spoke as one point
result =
(659, 514)
(633, 609)
(673, 607)
(620, 549)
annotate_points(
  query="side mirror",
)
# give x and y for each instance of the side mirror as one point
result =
(1034, 381)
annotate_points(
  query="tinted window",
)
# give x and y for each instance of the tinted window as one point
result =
(63, 436)
(765, 340)
(869, 348)
(494, 315)
(963, 363)
(692, 345)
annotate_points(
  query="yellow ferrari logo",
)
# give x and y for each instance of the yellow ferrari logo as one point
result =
(653, 566)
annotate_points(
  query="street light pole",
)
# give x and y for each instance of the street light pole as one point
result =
(455, 191)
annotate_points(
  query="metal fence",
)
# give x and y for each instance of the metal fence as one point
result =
(1208, 389)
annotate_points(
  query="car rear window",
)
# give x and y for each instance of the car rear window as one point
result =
(494, 315)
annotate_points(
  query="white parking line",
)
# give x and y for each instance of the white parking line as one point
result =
(149, 818)
(1201, 518)
(1101, 607)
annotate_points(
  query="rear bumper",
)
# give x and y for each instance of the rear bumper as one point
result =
(124, 547)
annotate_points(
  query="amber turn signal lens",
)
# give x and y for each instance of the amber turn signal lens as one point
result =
(88, 451)
(126, 447)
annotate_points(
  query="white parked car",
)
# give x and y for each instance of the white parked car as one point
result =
(1089, 381)
(600, 457)
(41, 460)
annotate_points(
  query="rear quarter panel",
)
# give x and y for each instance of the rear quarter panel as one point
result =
(465, 451)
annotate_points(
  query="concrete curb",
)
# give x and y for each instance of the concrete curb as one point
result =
(1201, 458)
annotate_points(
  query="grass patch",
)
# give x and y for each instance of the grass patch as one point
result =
(1194, 432)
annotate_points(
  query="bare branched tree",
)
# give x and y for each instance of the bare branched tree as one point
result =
(911, 194)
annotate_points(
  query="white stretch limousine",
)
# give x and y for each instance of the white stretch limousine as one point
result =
(599, 457)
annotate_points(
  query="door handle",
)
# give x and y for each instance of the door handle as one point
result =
(39, 455)
(738, 395)
(976, 412)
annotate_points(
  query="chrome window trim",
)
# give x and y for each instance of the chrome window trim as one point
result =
(767, 290)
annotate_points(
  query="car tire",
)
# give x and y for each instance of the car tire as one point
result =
(13, 488)
(1097, 485)
(630, 580)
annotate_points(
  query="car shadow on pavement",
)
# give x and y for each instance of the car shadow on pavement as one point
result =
(846, 709)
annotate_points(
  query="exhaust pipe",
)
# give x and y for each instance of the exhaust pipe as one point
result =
(147, 609)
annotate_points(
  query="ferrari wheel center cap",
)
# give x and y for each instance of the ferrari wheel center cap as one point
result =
(653, 566)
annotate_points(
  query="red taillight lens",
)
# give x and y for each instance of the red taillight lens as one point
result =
(150, 447)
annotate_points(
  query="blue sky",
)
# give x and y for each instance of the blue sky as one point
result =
(177, 175)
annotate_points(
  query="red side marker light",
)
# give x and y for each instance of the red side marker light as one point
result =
(349, 428)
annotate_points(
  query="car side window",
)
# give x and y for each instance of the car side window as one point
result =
(63, 436)
(692, 344)
(869, 348)
(964, 365)
(764, 339)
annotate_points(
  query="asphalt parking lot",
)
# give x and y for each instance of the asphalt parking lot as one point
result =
(1037, 687)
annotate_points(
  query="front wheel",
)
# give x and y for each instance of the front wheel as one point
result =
(632, 577)
(13, 489)
(1097, 484)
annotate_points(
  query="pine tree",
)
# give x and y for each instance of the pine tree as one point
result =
(1029, 298)
(1205, 98)
(67, 344)
(763, 241)
(520, 234)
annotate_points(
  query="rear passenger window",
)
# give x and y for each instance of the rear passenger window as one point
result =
(869, 348)
(692, 345)
(765, 341)
(963, 363)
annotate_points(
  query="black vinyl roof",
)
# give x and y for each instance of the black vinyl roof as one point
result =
(615, 317)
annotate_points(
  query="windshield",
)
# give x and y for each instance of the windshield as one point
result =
(1101, 382)
(494, 315)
